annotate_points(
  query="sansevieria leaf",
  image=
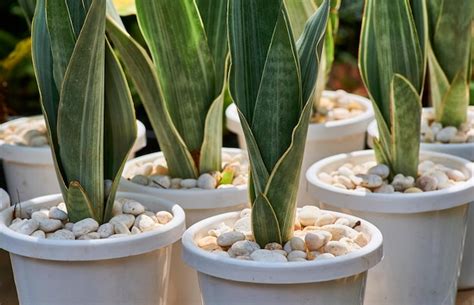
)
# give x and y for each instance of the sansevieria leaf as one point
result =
(271, 83)
(392, 61)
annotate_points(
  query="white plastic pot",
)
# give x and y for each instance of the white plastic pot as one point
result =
(7, 285)
(323, 140)
(462, 150)
(235, 282)
(198, 205)
(120, 271)
(29, 171)
(423, 232)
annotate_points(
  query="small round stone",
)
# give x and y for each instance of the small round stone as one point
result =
(208, 243)
(385, 189)
(370, 181)
(140, 179)
(297, 243)
(39, 215)
(336, 248)
(267, 256)
(308, 215)
(207, 182)
(188, 183)
(118, 236)
(243, 225)
(455, 175)
(164, 217)
(427, 183)
(229, 238)
(440, 177)
(273, 246)
(68, 226)
(325, 219)
(56, 213)
(85, 226)
(133, 207)
(446, 134)
(121, 228)
(61, 235)
(144, 223)
(28, 227)
(243, 247)
(89, 236)
(361, 239)
(38, 234)
(245, 212)
(38, 141)
(325, 177)
(400, 183)
(316, 239)
(176, 183)
(413, 190)
(380, 170)
(135, 231)
(339, 231)
(106, 230)
(345, 181)
(50, 225)
(127, 219)
(296, 256)
(160, 181)
(345, 171)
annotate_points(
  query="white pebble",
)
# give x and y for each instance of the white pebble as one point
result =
(28, 227)
(85, 226)
(208, 243)
(106, 230)
(325, 256)
(317, 239)
(229, 238)
(297, 243)
(133, 207)
(176, 183)
(50, 225)
(164, 217)
(385, 188)
(381, 170)
(296, 255)
(188, 183)
(144, 223)
(370, 181)
(121, 228)
(140, 179)
(243, 225)
(446, 134)
(38, 234)
(325, 219)
(207, 182)
(39, 215)
(89, 236)
(427, 183)
(400, 183)
(135, 231)
(56, 213)
(127, 219)
(61, 235)
(339, 231)
(243, 247)
(336, 248)
(325, 177)
(455, 175)
(267, 256)
(160, 181)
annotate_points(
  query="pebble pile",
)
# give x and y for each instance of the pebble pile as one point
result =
(318, 235)
(155, 174)
(130, 218)
(30, 132)
(434, 132)
(339, 107)
(370, 177)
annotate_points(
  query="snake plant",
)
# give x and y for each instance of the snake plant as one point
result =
(299, 11)
(392, 62)
(272, 81)
(182, 84)
(449, 58)
(86, 103)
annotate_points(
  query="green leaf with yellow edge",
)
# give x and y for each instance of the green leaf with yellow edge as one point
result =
(125, 7)
(120, 128)
(78, 204)
(61, 35)
(264, 218)
(455, 102)
(81, 109)
(406, 112)
(144, 76)
(211, 154)
(299, 11)
(184, 64)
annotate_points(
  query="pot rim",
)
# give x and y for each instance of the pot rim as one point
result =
(321, 131)
(280, 273)
(454, 196)
(92, 250)
(196, 199)
(42, 155)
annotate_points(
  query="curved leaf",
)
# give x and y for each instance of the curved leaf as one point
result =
(264, 218)
(211, 154)
(78, 203)
(81, 109)
(144, 76)
(175, 34)
(455, 102)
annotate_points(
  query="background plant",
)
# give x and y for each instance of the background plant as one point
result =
(272, 81)
(182, 88)
(449, 58)
(86, 103)
(392, 63)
